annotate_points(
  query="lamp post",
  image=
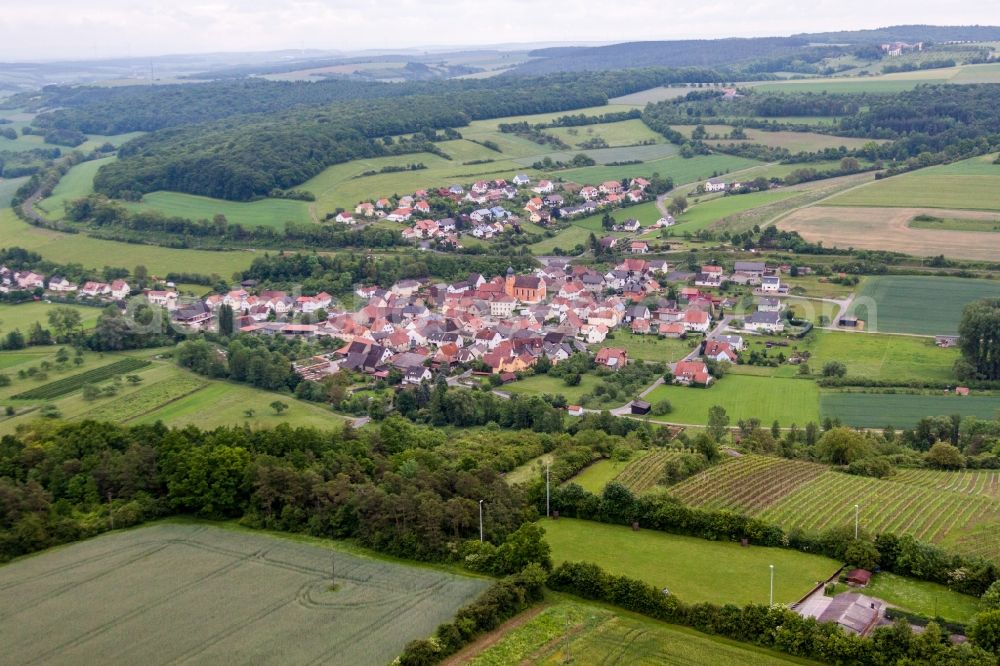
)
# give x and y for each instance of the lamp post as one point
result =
(547, 512)
(857, 519)
(480, 521)
(772, 584)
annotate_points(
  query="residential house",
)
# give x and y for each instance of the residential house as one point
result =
(770, 284)
(696, 321)
(770, 304)
(720, 351)
(610, 187)
(345, 218)
(503, 306)
(365, 209)
(715, 185)
(639, 247)
(692, 372)
(543, 187)
(590, 192)
(612, 357)
(753, 268)
(764, 322)
(62, 285)
(521, 180)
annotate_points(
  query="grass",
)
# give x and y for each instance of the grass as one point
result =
(957, 224)
(768, 399)
(923, 305)
(623, 133)
(529, 471)
(705, 214)
(216, 595)
(794, 141)
(570, 631)
(986, 73)
(545, 384)
(923, 597)
(970, 184)
(875, 410)
(95, 253)
(264, 213)
(884, 357)
(595, 476)
(694, 569)
(8, 187)
(23, 315)
(647, 347)
(605, 156)
(680, 169)
(77, 183)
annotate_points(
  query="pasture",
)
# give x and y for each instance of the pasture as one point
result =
(783, 399)
(682, 170)
(810, 496)
(694, 569)
(923, 305)
(876, 410)
(546, 385)
(9, 186)
(78, 182)
(571, 631)
(873, 228)
(96, 253)
(923, 597)
(795, 142)
(970, 184)
(605, 156)
(264, 213)
(706, 213)
(647, 347)
(595, 476)
(201, 593)
(22, 315)
(622, 133)
(652, 95)
(885, 357)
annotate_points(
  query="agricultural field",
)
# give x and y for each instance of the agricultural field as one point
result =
(877, 410)
(75, 382)
(605, 156)
(991, 224)
(147, 399)
(8, 187)
(797, 494)
(575, 632)
(658, 94)
(644, 473)
(795, 142)
(987, 73)
(705, 214)
(886, 357)
(23, 315)
(78, 182)
(264, 213)
(970, 184)
(873, 228)
(921, 305)
(694, 569)
(622, 133)
(95, 253)
(201, 593)
(786, 400)
(682, 170)
(985, 482)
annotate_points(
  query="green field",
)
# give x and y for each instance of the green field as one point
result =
(876, 410)
(8, 186)
(884, 357)
(95, 253)
(681, 170)
(544, 384)
(78, 182)
(595, 476)
(987, 73)
(23, 315)
(264, 213)
(201, 593)
(644, 472)
(922, 597)
(957, 224)
(574, 632)
(694, 569)
(705, 214)
(810, 496)
(970, 184)
(623, 133)
(647, 347)
(786, 400)
(605, 156)
(793, 141)
(921, 305)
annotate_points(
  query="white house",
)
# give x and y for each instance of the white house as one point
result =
(764, 322)
(521, 179)
(544, 187)
(770, 284)
(61, 284)
(715, 185)
(345, 218)
(697, 321)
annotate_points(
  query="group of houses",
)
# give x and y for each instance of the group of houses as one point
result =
(29, 281)
(541, 205)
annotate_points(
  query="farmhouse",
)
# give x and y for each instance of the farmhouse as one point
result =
(714, 185)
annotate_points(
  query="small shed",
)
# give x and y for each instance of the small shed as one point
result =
(961, 390)
(508, 377)
(575, 410)
(640, 407)
(858, 577)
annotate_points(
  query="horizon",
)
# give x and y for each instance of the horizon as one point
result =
(112, 29)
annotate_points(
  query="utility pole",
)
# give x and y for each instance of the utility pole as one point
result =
(857, 520)
(772, 585)
(480, 521)
(547, 495)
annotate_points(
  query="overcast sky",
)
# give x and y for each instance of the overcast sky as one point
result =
(55, 29)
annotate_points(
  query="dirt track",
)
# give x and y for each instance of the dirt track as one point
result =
(888, 229)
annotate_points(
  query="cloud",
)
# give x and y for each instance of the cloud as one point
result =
(53, 29)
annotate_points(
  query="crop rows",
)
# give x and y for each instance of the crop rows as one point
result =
(973, 482)
(69, 384)
(750, 483)
(146, 399)
(645, 473)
